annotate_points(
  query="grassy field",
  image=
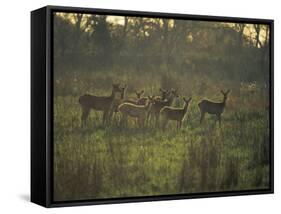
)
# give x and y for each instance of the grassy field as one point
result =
(108, 162)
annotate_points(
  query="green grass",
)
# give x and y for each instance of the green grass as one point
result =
(108, 162)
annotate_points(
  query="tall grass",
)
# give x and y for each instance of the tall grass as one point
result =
(107, 162)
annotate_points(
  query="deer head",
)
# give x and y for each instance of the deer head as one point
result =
(174, 92)
(164, 93)
(151, 99)
(139, 93)
(186, 101)
(123, 89)
(225, 94)
(116, 88)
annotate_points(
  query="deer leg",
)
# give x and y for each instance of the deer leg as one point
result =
(219, 119)
(180, 124)
(119, 121)
(142, 122)
(164, 123)
(156, 120)
(117, 118)
(147, 116)
(84, 116)
(146, 119)
(202, 117)
(151, 119)
(109, 117)
(104, 117)
(123, 120)
(113, 117)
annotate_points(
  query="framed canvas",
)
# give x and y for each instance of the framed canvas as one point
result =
(141, 106)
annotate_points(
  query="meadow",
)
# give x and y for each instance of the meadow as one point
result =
(110, 161)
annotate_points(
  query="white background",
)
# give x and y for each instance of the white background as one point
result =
(15, 105)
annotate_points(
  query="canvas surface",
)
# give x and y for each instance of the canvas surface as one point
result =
(111, 146)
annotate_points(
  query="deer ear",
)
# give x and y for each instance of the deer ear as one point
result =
(142, 91)
(189, 99)
(227, 91)
(222, 92)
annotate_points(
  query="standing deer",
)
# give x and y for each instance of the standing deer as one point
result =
(159, 104)
(176, 114)
(133, 101)
(142, 100)
(117, 102)
(98, 103)
(210, 107)
(164, 94)
(135, 111)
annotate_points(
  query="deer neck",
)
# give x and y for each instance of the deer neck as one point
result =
(170, 100)
(185, 107)
(224, 102)
(122, 95)
(112, 96)
(147, 105)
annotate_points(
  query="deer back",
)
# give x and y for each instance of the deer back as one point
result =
(211, 107)
(132, 109)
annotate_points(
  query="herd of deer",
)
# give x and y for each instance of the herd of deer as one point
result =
(146, 108)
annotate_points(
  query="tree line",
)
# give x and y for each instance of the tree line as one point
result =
(88, 43)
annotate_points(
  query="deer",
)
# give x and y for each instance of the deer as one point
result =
(135, 111)
(211, 107)
(159, 104)
(98, 103)
(142, 100)
(173, 113)
(117, 102)
(164, 94)
(139, 101)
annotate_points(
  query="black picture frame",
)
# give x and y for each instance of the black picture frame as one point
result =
(42, 105)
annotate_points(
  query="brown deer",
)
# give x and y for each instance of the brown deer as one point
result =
(139, 101)
(211, 107)
(118, 101)
(135, 111)
(176, 114)
(142, 100)
(98, 103)
(164, 94)
(159, 104)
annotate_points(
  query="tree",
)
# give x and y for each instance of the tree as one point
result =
(103, 43)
